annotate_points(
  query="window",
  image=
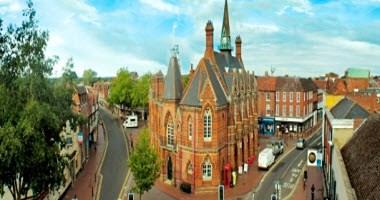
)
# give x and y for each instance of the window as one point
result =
(170, 132)
(277, 96)
(283, 96)
(207, 125)
(283, 110)
(291, 110)
(207, 170)
(291, 96)
(190, 129)
(267, 109)
(189, 168)
(277, 109)
(304, 96)
(267, 96)
(298, 97)
(297, 110)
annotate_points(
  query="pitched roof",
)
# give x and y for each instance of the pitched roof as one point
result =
(362, 159)
(348, 109)
(81, 89)
(173, 83)
(270, 83)
(266, 83)
(226, 60)
(203, 73)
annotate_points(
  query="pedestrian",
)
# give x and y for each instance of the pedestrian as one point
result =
(75, 197)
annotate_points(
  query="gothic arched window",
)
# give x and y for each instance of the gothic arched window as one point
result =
(207, 125)
(170, 131)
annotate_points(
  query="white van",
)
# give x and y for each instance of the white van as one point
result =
(131, 122)
(266, 158)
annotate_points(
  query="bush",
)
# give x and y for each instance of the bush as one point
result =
(185, 187)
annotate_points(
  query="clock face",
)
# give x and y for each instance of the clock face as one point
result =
(312, 157)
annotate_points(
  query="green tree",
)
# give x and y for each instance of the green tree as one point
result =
(144, 164)
(121, 88)
(185, 80)
(69, 76)
(140, 93)
(89, 76)
(32, 112)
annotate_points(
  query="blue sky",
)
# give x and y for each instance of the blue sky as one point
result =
(296, 37)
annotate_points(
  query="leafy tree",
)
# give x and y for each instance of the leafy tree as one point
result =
(185, 80)
(144, 164)
(121, 88)
(140, 93)
(69, 76)
(89, 76)
(32, 112)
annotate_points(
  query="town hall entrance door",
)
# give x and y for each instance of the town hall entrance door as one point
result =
(169, 167)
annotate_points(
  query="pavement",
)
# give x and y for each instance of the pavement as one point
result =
(285, 172)
(86, 184)
(315, 177)
(114, 168)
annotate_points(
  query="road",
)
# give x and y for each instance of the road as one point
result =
(286, 171)
(114, 167)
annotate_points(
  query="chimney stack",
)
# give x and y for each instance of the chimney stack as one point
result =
(238, 47)
(209, 37)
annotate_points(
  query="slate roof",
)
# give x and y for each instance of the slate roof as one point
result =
(81, 89)
(224, 60)
(361, 156)
(173, 83)
(348, 109)
(204, 72)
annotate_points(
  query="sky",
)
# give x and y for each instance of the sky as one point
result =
(294, 37)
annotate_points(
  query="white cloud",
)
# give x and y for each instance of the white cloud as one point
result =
(10, 6)
(161, 5)
(249, 28)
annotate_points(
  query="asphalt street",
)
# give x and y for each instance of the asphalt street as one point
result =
(114, 167)
(286, 171)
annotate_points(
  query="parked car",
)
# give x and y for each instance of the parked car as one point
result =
(278, 147)
(131, 122)
(266, 158)
(300, 143)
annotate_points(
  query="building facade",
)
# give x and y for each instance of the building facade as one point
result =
(207, 130)
(289, 104)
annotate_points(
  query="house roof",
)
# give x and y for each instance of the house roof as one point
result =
(348, 109)
(173, 83)
(362, 159)
(321, 84)
(270, 83)
(81, 89)
(204, 73)
(266, 83)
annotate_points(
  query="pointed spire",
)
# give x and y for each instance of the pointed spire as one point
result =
(173, 84)
(225, 40)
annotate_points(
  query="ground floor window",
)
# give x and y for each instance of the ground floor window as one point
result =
(207, 170)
